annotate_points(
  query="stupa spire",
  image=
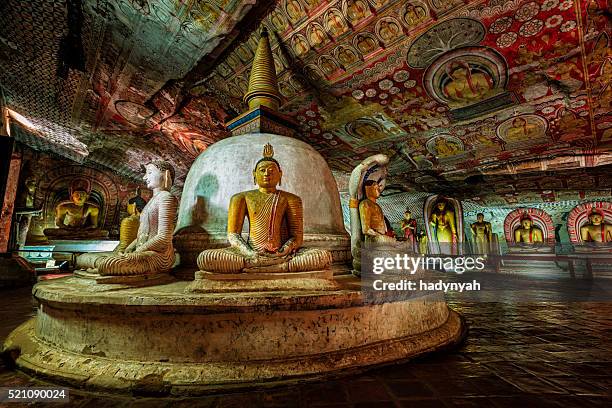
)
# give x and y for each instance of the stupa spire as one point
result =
(263, 86)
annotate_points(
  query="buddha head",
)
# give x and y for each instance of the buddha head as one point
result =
(30, 185)
(480, 217)
(526, 222)
(79, 191)
(441, 205)
(596, 217)
(372, 189)
(159, 175)
(407, 215)
(458, 70)
(267, 172)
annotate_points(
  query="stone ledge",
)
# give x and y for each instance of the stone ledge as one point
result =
(184, 379)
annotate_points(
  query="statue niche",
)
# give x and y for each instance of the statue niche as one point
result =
(275, 220)
(529, 230)
(77, 218)
(151, 252)
(589, 226)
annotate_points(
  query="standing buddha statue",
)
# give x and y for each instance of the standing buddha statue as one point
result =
(442, 220)
(276, 228)
(482, 234)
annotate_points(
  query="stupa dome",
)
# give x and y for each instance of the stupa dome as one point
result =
(226, 168)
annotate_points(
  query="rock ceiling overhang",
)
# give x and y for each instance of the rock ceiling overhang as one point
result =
(460, 94)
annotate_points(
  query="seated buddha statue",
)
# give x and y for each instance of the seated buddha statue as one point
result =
(482, 234)
(443, 223)
(276, 229)
(373, 224)
(77, 218)
(128, 231)
(152, 251)
(527, 233)
(597, 230)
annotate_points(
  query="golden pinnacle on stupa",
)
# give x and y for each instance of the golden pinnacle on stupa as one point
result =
(263, 86)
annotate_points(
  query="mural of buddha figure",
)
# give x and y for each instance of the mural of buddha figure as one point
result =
(388, 30)
(464, 86)
(521, 130)
(294, 10)
(443, 223)
(77, 218)
(152, 251)
(317, 37)
(481, 234)
(597, 230)
(366, 45)
(357, 10)
(128, 231)
(328, 66)
(336, 24)
(444, 148)
(373, 224)
(276, 228)
(300, 46)
(414, 14)
(409, 227)
(527, 233)
(347, 57)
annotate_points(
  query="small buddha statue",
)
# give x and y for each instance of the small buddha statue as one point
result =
(77, 218)
(597, 230)
(152, 251)
(482, 234)
(128, 231)
(527, 233)
(275, 229)
(373, 224)
(409, 227)
(30, 185)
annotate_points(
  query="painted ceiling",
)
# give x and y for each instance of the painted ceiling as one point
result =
(497, 101)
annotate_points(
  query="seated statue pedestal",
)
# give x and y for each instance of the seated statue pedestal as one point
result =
(536, 260)
(531, 249)
(129, 280)
(209, 282)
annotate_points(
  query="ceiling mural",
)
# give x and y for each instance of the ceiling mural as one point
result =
(464, 96)
(448, 89)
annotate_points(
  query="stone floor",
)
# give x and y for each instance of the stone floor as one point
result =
(537, 354)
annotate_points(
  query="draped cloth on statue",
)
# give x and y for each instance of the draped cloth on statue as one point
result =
(264, 227)
(153, 252)
(278, 219)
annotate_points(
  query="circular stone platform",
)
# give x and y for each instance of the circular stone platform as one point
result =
(160, 339)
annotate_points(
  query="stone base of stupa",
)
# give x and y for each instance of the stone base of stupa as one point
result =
(208, 282)
(164, 340)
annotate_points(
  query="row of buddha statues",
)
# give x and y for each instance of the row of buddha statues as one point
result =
(274, 243)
